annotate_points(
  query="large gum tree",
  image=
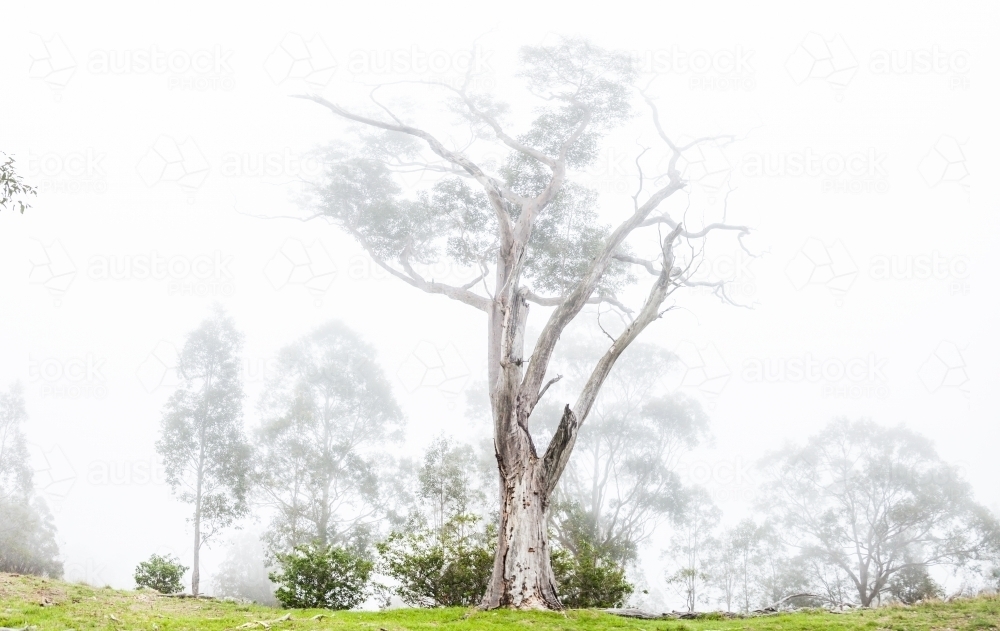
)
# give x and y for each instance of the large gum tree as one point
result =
(515, 207)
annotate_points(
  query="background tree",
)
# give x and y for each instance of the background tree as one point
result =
(530, 226)
(691, 547)
(325, 413)
(623, 480)
(205, 454)
(243, 572)
(781, 574)
(445, 481)
(737, 565)
(12, 186)
(27, 534)
(864, 502)
(724, 573)
(15, 468)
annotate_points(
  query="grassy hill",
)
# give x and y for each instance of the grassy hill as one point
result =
(58, 606)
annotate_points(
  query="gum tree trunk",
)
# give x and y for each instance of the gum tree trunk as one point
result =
(522, 570)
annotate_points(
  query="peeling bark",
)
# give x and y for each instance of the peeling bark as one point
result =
(522, 570)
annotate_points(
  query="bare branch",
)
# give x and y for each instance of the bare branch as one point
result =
(635, 198)
(549, 383)
(557, 453)
(411, 277)
(648, 265)
(697, 234)
(555, 301)
(581, 294)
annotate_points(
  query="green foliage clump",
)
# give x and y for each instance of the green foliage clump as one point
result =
(162, 573)
(590, 579)
(12, 186)
(318, 576)
(448, 567)
(913, 583)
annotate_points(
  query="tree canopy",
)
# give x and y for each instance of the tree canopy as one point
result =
(870, 502)
(325, 413)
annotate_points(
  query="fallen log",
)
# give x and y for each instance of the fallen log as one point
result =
(633, 612)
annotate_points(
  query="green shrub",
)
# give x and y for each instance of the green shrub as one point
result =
(162, 573)
(586, 579)
(913, 583)
(446, 568)
(316, 576)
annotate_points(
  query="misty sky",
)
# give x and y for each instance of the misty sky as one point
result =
(163, 144)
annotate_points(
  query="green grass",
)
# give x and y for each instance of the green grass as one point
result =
(81, 607)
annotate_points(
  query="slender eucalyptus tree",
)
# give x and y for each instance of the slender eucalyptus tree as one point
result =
(528, 223)
(205, 453)
(27, 534)
(326, 414)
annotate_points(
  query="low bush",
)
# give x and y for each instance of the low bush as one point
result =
(449, 567)
(162, 573)
(587, 579)
(325, 577)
